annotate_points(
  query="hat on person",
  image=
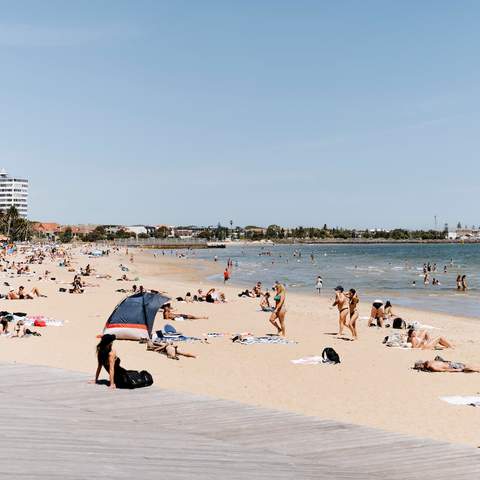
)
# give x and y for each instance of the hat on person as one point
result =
(339, 288)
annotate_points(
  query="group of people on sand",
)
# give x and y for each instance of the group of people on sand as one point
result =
(211, 296)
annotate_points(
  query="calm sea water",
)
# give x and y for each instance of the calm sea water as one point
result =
(383, 271)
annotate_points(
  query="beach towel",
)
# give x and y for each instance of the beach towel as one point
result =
(312, 360)
(175, 338)
(263, 340)
(473, 401)
(49, 322)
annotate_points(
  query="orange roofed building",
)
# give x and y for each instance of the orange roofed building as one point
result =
(46, 228)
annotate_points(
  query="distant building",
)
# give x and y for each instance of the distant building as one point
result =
(140, 229)
(49, 229)
(13, 193)
(465, 234)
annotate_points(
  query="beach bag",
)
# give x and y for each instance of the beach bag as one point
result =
(399, 323)
(134, 379)
(39, 323)
(329, 355)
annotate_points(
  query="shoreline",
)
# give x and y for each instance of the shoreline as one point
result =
(203, 264)
(374, 385)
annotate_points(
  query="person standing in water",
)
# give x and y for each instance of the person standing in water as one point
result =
(226, 275)
(319, 285)
(342, 303)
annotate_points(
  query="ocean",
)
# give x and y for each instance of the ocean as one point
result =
(385, 271)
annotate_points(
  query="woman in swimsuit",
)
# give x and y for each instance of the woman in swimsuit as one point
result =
(424, 341)
(277, 318)
(107, 358)
(353, 303)
(169, 314)
(388, 310)
(377, 314)
(342, 303)
(441, 365)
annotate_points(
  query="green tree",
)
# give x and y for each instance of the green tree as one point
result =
(66, 236)
(9, 220)
(273, 231)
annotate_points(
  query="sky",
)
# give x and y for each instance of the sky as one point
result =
(301, 112)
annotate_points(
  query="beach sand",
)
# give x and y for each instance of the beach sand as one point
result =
(374, 385)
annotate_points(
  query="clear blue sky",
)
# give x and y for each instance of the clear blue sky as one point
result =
(353, 113)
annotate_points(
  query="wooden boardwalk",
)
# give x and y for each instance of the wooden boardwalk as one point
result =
(56, 426)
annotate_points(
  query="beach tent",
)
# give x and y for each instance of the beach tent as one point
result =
(133, 318)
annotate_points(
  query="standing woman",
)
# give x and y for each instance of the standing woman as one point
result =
(353, 304)
(459, 282)
(464, 283)
(277, 319)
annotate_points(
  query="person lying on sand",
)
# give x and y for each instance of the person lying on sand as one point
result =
(441, 365)
(247, 293)
(169, 314)
(22, 295)
(168, 349)
(124, 278)
(422, 339)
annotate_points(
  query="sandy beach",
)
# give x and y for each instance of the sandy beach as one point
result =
(374, 385)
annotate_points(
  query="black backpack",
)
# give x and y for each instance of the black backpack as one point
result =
(329, 355)
(399, 323)
(135, 379)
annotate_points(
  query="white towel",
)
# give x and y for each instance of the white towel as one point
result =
(462, 400)
(313, 360)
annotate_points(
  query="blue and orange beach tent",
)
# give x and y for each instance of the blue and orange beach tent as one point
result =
(133, 318)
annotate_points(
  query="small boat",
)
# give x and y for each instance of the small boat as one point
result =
(216, 245)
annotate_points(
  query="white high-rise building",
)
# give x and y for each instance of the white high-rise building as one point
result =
(13, 192)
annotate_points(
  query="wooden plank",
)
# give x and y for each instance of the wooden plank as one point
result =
(62, 427)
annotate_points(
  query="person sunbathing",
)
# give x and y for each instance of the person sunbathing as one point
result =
(441, 365)
(124, 278)
(214, 296)
(422, 339)
(169, 314)
(168, 349)
(20, 294)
